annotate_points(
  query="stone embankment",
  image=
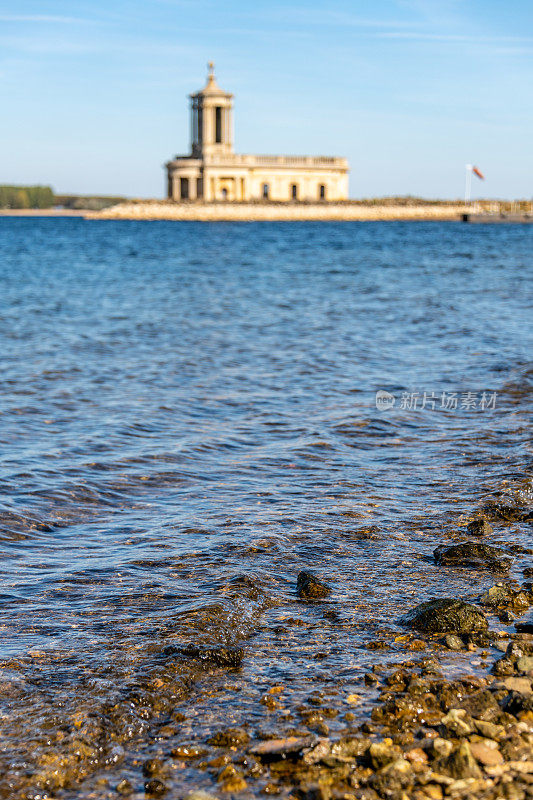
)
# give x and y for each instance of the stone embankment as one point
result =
(273, 212)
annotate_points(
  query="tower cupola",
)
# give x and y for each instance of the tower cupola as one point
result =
(211, 119)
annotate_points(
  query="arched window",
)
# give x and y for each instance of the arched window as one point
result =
(184, 188)
(294, 191)
(224, 193)
(322, 191)
(266, 191)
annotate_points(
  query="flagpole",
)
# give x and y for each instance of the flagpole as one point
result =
(468, 184)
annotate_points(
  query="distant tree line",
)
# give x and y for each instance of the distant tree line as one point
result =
(26, 197)
(44, 197)
(84, 202)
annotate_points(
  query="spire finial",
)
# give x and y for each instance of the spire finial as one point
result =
(211, 68)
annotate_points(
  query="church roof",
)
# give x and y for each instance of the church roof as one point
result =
(211, 88)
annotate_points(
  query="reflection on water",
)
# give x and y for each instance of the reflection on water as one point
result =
(189, 419)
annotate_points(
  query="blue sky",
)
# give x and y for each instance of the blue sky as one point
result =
(94, 93)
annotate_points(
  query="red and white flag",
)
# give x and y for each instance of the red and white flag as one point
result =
(475, 170)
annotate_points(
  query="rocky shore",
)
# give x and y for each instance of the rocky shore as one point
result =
(425, 736)
(255, 212)
(444, 710)
(428, 737)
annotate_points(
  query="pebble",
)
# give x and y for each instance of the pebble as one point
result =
(155, 787)
(353, 699)
(525, 664)
(453, 642)
(199, 794)
(486, 753)
(517, 684)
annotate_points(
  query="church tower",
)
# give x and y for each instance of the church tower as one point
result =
(211, 119)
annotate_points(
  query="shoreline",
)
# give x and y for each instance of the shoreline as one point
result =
(352, 211)
(42, 212)
(250, 212)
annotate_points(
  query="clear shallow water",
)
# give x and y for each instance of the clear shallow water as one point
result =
(186, 404)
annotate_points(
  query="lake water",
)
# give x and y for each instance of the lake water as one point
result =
(188, 419)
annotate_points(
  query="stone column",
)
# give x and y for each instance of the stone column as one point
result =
(175, 188)
(207, 186)
(192, 187)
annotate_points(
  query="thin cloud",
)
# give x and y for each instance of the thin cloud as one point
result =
(44, 18)
(453, 37)
(333, 17)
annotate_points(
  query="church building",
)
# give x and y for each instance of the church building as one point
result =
(214, 172)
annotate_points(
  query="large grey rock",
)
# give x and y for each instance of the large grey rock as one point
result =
(444, 615)
(472, 554)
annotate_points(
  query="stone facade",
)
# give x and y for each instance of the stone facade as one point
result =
(214, 172)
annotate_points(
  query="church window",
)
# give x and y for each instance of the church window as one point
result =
(294, 191)
(322, 191)
(218, 124)
(266, 191)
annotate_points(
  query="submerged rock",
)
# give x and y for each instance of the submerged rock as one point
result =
(212, 656)
(188, 751)
(229, 737)
(445, 615)
(471, 554)
(524, 627)
(309, 587)
(499, 511)
(479, 527)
